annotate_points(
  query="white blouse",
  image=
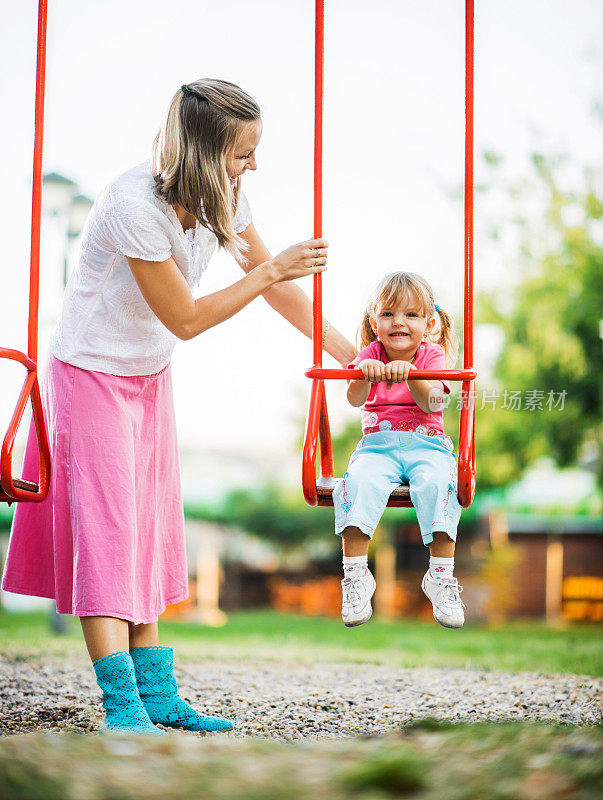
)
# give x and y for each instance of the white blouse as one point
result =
(106, 324)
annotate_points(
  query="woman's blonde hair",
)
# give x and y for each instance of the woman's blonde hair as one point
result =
(190, 151)
(405, 287)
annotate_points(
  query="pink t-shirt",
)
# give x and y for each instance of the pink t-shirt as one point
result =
(394, 409)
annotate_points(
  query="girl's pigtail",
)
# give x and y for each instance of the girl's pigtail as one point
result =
(447, 337)
(366, 334)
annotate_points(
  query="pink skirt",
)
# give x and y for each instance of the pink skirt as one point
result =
(109, 538)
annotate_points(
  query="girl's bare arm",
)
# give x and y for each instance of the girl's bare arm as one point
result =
(358, 392)
(428, 395)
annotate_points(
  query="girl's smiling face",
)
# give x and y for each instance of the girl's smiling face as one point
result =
(401, 327)
(243, 156)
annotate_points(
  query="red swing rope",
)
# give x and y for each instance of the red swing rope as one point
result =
(317, 426)
(467, 457)
(36, 196)
(468, 238)
(12, 488)
(319, 69)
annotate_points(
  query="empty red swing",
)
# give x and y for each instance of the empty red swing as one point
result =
(12, 489)
(319, 491)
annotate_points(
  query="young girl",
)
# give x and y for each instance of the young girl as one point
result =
(403, 442)
(108, 542)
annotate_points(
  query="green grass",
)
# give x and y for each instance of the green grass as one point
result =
(507, 761)
(518, 646)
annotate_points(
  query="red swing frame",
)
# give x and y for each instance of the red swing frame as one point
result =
(13, 489)
(319, 491)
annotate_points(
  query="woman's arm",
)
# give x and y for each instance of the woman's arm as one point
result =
(164, 288)
(292, 303)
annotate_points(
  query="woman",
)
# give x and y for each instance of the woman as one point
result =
(108, 542)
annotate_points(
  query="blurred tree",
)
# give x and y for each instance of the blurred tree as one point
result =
(547, 374)
(270, 513)
(6, 517)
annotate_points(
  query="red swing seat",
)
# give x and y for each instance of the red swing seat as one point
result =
(399, 498)
(13, 489)
(319, 490)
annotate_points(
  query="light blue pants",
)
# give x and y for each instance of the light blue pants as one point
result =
(384, 460)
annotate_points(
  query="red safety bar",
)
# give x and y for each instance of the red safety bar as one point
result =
(319, 491)
(15, 488)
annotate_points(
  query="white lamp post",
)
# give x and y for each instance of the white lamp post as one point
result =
(60, 199)
(78, 213)
(57, 193)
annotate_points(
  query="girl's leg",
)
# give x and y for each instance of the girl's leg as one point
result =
(431, 471)
(355, 543)
(432, 474)
(358, 583)
(442, 545)
(361, 498)
(440, 585)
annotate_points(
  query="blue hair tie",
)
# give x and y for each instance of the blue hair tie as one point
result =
(437, 308)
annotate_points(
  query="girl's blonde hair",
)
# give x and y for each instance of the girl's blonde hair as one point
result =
(405, 287)
(190, 151)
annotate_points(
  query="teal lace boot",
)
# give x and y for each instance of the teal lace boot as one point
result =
(124, 711)
(158, 691)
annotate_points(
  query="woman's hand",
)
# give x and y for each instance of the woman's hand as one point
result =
(300, 260)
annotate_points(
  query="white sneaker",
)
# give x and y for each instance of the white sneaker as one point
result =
(356, 600)
(445, 598)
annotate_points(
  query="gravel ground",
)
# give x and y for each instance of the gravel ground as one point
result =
(291, 701)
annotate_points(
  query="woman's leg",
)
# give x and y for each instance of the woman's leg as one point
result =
(144, 635)
(156, 682)
(104, 635)
(154, 668)
(107, 640)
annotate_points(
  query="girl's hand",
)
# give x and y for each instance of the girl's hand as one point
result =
(372, 369)
(397, 371)
(300, 260)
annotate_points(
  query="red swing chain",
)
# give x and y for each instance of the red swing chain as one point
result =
(466, 460)
(13, 488)
(317, 426)
(319, 68)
